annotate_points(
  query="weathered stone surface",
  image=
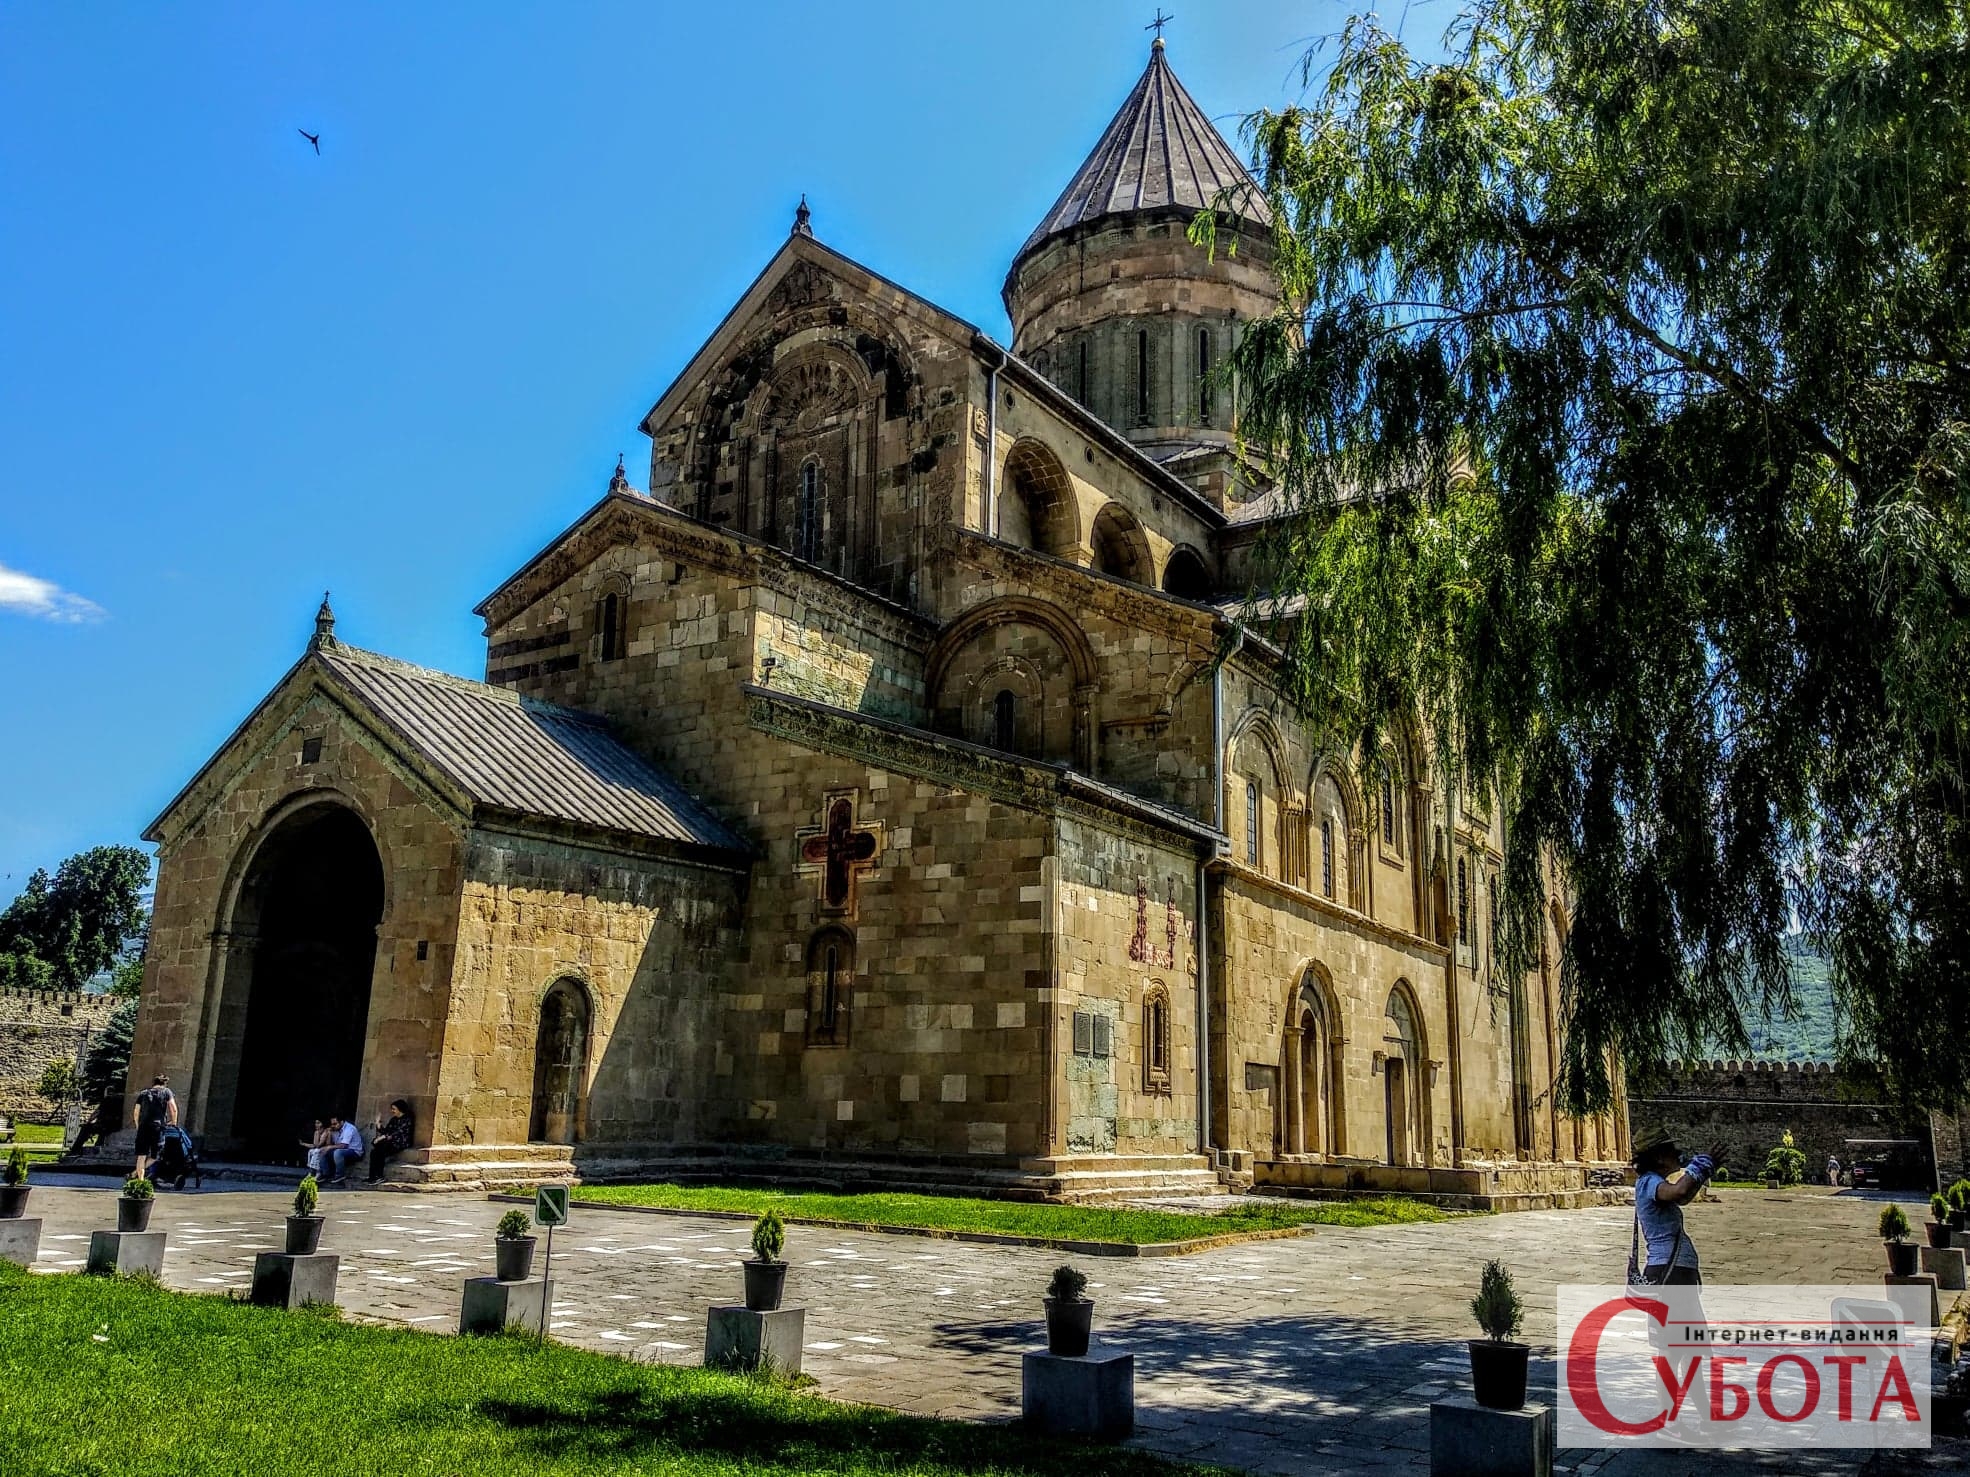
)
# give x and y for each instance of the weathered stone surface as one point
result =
(284, 1281)
(1945, 1264)
(491, 1306)
(36, 1028)
(123, 1253)
(20, 1240)
(1469, 1440)
(1092, 1396)
(738, 1337)
(1916, 1295)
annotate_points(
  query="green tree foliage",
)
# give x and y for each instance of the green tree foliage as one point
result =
(1786, 1162)
(106, 1064)
(59, 1080)
(64, 930)
(1620, 394)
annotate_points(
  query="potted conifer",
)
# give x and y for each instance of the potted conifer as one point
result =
(1070, 1313)
(133, 1206)
(1937, 1228)
(1894, 1234)
(766, 1274)
(1498, 1363)
(304, 1226)
(1958, 1195)
(513, 1247)
(14, 1186)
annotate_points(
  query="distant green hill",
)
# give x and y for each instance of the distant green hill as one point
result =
(1808, 1035)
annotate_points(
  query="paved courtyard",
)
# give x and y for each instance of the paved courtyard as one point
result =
(1318, 1354)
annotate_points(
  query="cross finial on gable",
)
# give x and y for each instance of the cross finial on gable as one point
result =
(801, 218)
(1157, 25)
(619, 482)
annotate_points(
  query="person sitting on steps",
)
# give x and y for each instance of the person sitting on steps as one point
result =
(391, 1138)
(345, 1148)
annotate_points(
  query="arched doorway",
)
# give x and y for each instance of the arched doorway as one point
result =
(1403, 1083)
(1310, 1105)
(560, 1064)
(311, 900)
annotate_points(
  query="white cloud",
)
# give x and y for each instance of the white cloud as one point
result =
(27, 594)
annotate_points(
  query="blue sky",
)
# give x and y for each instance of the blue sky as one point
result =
(235, 374)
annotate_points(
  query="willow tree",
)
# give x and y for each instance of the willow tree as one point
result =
(1619, 393)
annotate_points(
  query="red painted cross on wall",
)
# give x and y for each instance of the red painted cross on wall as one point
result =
(840, 851)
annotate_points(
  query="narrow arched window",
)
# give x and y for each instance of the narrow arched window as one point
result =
(611, 617)
(830, 990)
(1388, 808)
(1156, 1042)
(1463, 906)
(807, 524)
(1142, 376)
(1252, 822)
(1081, 375)
(1204, 386)
(1005, 719)
(1327, 857)
(830, 975)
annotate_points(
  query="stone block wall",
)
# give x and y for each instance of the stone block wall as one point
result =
(1737, 1110)
(36, 1028)
(650, 941)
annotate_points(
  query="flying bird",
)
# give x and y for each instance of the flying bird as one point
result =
(313, 138)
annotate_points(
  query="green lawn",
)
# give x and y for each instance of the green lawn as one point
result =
(43, 1142)
(1008, 1218)
(123, 1379)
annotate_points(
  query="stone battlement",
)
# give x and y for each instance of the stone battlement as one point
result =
(36, 1026)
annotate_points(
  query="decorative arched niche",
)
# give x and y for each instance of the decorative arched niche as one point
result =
(1312, 1112)
(1036, 501)
(1156, 1049)
(561, 1047)
(1121, 549)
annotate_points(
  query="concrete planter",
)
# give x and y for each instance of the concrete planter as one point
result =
(1938, 1233)
(1498, 1373)
(1068, 1327)
(1902, 1257)
(513, 1257)
(133, 1215)
(304, 1234)
(13, 1202)
(1957, 1218)
(766, 1283)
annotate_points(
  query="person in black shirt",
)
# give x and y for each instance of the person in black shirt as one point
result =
(155, 1107)
(392, 1137)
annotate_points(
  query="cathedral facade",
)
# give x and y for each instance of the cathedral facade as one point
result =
(890, 794)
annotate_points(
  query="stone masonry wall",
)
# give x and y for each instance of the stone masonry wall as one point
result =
(36, 1027)
(1738, 1110)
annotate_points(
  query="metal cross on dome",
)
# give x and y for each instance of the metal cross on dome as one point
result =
(1161, 21)
(840, 851)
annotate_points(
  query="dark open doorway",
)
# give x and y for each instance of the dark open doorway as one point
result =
(317, 888)
(560, 1064)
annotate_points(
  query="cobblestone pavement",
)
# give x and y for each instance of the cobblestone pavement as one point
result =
(1319, 1354)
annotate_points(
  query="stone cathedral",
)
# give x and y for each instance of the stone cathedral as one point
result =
(871, 800)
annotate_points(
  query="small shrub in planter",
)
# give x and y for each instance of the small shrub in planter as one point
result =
(14, 1186)
(513, 1247)
(1070, 1313)
(133, 1206)
(1894, 1232)
(304, 1226)
(1937, 1228)
(1958, 1196)
(766, 1274)
(1498, 1363)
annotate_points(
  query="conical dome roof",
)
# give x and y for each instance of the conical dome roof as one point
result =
(1159, 152)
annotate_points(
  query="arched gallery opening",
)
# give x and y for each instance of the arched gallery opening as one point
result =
(310, 903)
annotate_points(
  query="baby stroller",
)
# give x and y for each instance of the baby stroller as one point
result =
(176, 1159)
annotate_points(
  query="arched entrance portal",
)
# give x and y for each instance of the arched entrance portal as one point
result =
(311, 900)
(560, 1064)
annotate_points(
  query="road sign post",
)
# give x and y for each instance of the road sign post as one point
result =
(550, 1210)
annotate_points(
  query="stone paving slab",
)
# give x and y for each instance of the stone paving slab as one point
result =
(1319, 1354)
